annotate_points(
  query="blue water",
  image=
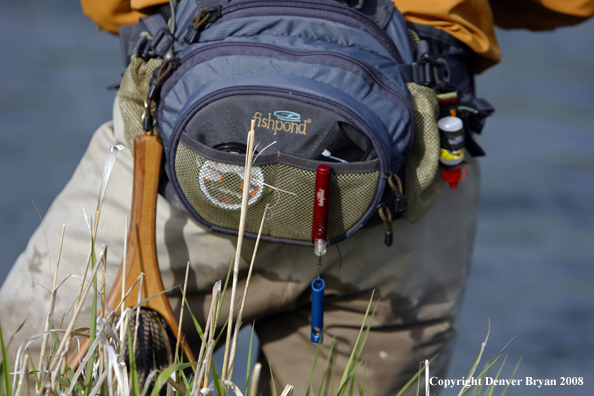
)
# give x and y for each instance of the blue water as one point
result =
(533, 270)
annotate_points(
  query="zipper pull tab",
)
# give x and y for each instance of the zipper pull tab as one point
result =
(386, 217)
(199, 22)
(401, 204)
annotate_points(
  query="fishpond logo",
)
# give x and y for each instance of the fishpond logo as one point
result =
(283, 121)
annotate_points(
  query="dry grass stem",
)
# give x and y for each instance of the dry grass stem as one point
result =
(137, 324)
(181, 314)
(99, 383)
(22, 379)
(81, 299)
(247, 285)
(255, 379)
(288, 390)
(244, 203)
(203, 367)
(52, 303)
(208, 335)
(124, 263)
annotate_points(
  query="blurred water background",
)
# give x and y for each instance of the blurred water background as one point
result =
(533, 269)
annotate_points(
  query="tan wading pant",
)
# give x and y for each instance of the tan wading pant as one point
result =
(419, 280)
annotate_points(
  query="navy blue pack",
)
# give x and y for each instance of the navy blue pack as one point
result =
(324, 83)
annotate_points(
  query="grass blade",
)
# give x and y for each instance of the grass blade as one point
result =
(492, 388)
(328, 360)
(272, 380)
(134, 386)
(357, 348)
(512, 377)
(249, 360)
(5, 368)
(217, 380)
(196, 324)
(165, 374)
(315, 362)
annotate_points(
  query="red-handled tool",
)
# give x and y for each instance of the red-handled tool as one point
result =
(320, 212)
(319, 231)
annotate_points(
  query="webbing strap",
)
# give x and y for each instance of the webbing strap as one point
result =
(379, 10)
(132, 40)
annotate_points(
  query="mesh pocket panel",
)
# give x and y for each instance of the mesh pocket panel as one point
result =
(133, 90)
(213, 189)
(422, 180)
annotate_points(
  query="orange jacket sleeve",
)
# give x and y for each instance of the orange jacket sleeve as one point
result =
(470, 21)
(111, 14)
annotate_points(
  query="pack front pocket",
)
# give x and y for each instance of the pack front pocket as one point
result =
(301, 120)
(210, 184)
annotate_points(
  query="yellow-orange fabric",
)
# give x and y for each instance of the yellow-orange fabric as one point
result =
(470, 21)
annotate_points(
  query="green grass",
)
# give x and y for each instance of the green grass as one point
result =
(95, 379)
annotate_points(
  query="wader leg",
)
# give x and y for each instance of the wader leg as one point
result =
(420, 282)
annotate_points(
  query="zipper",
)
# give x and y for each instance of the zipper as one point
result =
(326, 6)
(371, 71)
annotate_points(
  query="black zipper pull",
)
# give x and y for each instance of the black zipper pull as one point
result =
(401, 204)
(386, 216)
(200, 21)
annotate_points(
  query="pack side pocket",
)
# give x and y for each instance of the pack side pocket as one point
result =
(133, 90)
(422, 181)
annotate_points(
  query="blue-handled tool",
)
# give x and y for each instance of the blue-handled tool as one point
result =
(317, 309)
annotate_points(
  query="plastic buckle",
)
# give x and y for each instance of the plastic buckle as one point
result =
(426, 70)
(441, 63)
(162, 42)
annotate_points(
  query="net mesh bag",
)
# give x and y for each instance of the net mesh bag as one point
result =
(155, 344)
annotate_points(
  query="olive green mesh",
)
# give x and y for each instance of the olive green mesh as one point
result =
(414, 39)
(422, 179)
(214, 189)
(133, 90)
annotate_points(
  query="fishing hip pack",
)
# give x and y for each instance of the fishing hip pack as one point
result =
(323, 83)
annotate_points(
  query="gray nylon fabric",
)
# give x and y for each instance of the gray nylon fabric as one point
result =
(378, 10)
(154, 23)
(221, 72)
(311, 34)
